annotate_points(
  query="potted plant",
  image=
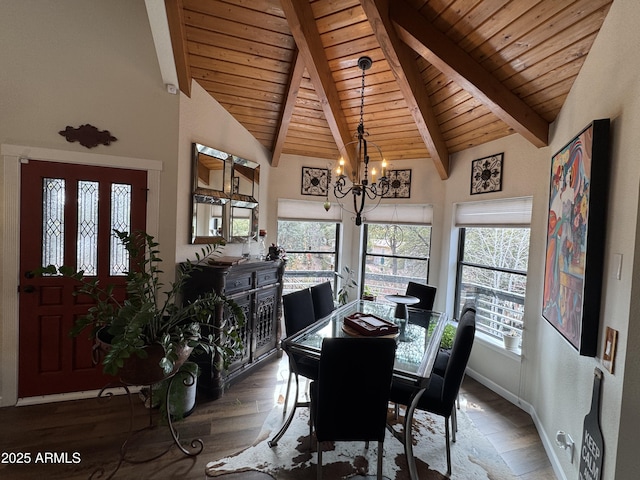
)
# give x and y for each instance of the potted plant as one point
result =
(448, 334)
(367, 294)
(182, 393)
(348, 283)
(511, 339)
(149, 334)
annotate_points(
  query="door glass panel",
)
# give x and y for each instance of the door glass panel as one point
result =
(87, 227)
(53, 193)
(120, 220)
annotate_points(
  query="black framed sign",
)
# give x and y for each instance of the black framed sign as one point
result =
(315, 181)
(486, 174)
(399, 184)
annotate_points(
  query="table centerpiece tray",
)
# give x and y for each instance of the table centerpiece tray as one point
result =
(369, 325)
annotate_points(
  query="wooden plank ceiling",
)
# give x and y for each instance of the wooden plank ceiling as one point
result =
(446, 75)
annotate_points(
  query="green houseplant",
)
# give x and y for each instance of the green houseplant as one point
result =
(348, 284)
(151, 322)
(448, 335)
(367, 294)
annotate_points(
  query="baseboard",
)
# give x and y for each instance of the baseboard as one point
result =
(548, 444)
(64, 397)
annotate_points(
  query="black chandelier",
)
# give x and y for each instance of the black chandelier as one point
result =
(358, 152)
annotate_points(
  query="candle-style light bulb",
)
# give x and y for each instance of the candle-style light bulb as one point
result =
(373, 175)
(384, 167)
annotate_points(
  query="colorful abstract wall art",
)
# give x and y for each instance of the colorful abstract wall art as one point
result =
(575, 237)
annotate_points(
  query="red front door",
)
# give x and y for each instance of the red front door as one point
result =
(67, 217)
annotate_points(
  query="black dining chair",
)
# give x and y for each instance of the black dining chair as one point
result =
(442, 359)
(426, 294)
(322, 296)
(349, 400)
(298, 314)
(440, 365)
(440, 396)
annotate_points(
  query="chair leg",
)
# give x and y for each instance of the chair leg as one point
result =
(446, 433)
(380, 453)
(319, 467)
(286, 396)
(454, 423)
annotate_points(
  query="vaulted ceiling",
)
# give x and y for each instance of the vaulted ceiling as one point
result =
(446, 75)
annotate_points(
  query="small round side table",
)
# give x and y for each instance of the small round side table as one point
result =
(402, 313)
(402, 301)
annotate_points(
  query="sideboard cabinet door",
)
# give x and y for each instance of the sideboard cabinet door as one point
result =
(256, 287)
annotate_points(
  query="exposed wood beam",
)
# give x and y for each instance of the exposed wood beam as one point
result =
(409, 81)
(435, 47)
(175, 18)
(307, 37)
(287, 109)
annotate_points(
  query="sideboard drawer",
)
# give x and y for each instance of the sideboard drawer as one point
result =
(266, 277)
(238, 283)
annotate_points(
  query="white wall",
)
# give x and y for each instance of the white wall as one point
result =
(525, 173)
(607, 87)
(204, 121)
(75, 62)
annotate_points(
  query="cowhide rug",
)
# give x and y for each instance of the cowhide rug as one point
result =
(473, 456)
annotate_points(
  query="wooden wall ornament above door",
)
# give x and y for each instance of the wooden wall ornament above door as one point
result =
(88, 135)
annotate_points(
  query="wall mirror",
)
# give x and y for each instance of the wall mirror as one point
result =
(225, 192)
(245, 189)
(211, 171)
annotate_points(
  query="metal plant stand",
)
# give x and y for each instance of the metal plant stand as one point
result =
(196, 445)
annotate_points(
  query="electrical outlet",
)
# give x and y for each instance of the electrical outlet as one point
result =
(618, 263)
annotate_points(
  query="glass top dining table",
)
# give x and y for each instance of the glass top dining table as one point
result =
(417, 348)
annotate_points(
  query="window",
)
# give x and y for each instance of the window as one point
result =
(311, 252)
(492, 263)
(395, 254)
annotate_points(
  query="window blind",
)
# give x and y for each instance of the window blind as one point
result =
(418, 214)
(504, 212)
(289, 209)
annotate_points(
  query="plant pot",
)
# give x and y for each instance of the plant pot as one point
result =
(182, 394)
(142, 371)
(511, 342)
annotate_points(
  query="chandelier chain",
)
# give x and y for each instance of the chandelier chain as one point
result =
(360, 188)
(362, 101)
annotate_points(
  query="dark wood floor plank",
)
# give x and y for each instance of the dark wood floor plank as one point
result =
(226, 426)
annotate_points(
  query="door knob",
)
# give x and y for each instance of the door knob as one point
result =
(29, 289)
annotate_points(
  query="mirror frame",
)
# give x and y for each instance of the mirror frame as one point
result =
(229, 197)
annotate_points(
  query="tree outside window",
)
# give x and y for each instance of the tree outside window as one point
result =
(492, 273)
(394, 255)
(311, 252)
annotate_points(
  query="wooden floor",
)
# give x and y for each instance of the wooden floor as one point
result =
(75, 439)
(510, 430)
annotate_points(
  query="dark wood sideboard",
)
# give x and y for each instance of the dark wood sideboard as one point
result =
(256, 286)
